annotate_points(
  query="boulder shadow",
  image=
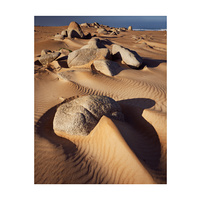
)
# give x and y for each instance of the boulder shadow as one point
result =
(138, 133)
(151, 63)
(44, 128)
(63, 62)
(106, 42)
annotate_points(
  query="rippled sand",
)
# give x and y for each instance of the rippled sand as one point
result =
(133, 151)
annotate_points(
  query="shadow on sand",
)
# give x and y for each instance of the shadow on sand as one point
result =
(44, 128)
(139, 134)
(151, 63)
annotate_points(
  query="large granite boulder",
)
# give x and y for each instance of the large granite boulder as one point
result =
(131, 58)
(45, 59)
(79, 116)
(74, 30)
(107, 67)
(84, 56)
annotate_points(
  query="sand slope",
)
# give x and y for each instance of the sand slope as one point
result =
(133, 151)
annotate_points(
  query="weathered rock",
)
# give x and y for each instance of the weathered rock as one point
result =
(102, 31)
(87, 35)
(113, 33)
(96, 23)
(107, 67)
(83, 56)
(123, 29)
(74, 30)
(45, 51)
(130, 28)
(81, 115)
(131, 58)
(85, 25)
(93, 43)
(48, 58)
(64, 33)
(58, 37)
(115, 30)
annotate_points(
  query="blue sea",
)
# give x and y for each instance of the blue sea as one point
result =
(137, 22)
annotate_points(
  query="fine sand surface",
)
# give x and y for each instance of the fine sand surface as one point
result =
(133, 151)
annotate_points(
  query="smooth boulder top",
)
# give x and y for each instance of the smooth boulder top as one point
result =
(74, 30)
(45, 59)
(131, 58)
(81, 115)
(84, 56)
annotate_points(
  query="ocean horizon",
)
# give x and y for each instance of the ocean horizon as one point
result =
(137, 22)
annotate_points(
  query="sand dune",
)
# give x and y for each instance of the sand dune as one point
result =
(133, 151)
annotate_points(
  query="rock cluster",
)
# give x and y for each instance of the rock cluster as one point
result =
(81, 115)
(74, 30)
(95, 52)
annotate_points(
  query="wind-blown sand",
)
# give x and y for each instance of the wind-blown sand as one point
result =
(133, 151)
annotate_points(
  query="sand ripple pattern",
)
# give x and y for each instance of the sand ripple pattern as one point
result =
(93, 159)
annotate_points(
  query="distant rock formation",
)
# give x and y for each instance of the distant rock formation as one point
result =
(130, 28)
(102, 31)
(74, 30)
(81, 115)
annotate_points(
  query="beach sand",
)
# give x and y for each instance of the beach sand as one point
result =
(133, 151)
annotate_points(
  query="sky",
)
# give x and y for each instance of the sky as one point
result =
(137, 22)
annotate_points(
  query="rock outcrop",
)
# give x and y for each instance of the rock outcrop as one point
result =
(94, 43)
(74, 30)
(64, 33)
(130, 28)
(45, 59)
(84, 56)
(131, 58)
(107, 67)
(79, 116)
(102, 31)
